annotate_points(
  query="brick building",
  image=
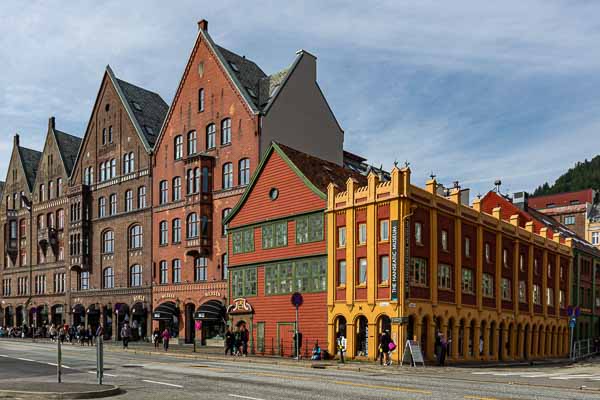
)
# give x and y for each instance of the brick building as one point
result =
(110, 209)
(276, 239)
(224, 115)
(396, 250)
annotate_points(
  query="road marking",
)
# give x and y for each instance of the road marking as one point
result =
(480, 398)
(393, 388)
(244, 397)
(26, 359)
(4, 355)
(271, 375)
(104, 374)
(579, 376)
(162, 383)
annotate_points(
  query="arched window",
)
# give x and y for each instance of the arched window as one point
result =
(163, 233)
(210, 136)
(200, 269)
(196, 180)
(142, 197)
(164, 192)
(224, 215)
(178, 144)
(108, 278)
(177, 188)
(136, 237)
(192, 142)
(102, 207)
(176, 270)
(226, 131)
(129, 200)
(204, 225)
(192, 226)
(200, 100)
(206, 186)
(60, 217)
(59, 187)
(135, 275)
(50, 218)
(42, 194)
(113, 168)
(164, 272)
(176, 231)
(108, 242)
(50, 190)
(227, 175)
(244, 172)
(113, 204)
(190, 181)
(102, 172)
(126, 169)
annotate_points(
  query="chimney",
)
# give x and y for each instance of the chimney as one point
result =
(51, 123)
(16, 139)
(520, 200)
(203, 25)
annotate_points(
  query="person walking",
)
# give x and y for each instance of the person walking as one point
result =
(166, 336)
(384, 348)
(245, 338)
(341, 346)
(237, 341)
(156, 337)
(443, 350)
(126, 335)
(229, 341)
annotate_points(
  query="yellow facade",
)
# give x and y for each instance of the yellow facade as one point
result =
(505, 334)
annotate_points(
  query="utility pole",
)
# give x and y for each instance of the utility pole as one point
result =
(58, 361)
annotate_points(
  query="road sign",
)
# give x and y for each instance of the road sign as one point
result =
(399, 320)
(577, 311)
(297, 299)
(570, 311)
(572, 323)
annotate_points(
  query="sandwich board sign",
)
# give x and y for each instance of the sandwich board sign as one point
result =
(412, 353)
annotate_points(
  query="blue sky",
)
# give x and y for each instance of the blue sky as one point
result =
(472, 91)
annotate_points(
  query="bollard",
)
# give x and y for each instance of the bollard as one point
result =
(58, 361)
(99, 359)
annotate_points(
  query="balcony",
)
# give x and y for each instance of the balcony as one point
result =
(79, 262)
(198, 246)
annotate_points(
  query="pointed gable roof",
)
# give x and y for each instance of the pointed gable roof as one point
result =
(68, 146)
(30, 160)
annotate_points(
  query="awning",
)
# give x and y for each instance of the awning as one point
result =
(165, 311)
(212, 310)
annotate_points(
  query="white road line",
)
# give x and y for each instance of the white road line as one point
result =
(162, 383)
(4, 355)
(105, 374)
(579, 376)
(25, 359)
(54, 365)
(244, 397)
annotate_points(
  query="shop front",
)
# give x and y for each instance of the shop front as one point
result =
(210, 321)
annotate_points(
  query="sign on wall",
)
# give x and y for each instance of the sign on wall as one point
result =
(394, 262)
(406, 258)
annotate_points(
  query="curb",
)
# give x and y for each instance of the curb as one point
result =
(111, 390)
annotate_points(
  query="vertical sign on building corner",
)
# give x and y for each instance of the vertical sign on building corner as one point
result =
(406, 258)
(394, 265)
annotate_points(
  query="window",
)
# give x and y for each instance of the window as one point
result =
(88, 175)
(488, 285)
(521, 262)
(243, 241)
(444, 240)
(561, 298)
(113, 204)
(305, 275)
(164, 272)
(467, 281)
(467, 246)
(522, 292)
(192, 143)
(176, 278)
(113, 168)
(536, 269)
(596, 238)
(103, 136)
(163, 233)
(59, 187)
(341, 273)
(341, 236)
(569, 220)
(50, 190)
(110, 134)
(190, 181)
(309, 228)
(192, 226)
(204, 226)
(505, 258)
(42, 194)
(164, 192)
(206, 186)
(444, 276)
(177, 188)
(549, 270)
(225, 265)
(178, 147)
(418, 272)
(200, 269)
(224, 215)
(142, 197)
(274, 235)
(84, 280)
(102, 207)
(60, 217)
(108, 278)
(136, 237)
(128, 163)
(418, 233)
(244, 282)
(108, 242)
(550, 297)
(226, 131)
(210, 136)
(506, 289)
(362, 233)
(128, 200)
(244, 171)
(200, 100)
(487, 252)
(176, 230)
(384, 270)
(196, 180)
(384, 230)
(227, 175)
(135, 276)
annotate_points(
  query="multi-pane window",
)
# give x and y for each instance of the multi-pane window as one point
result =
(200, 100)
(177, 188)
(50, 190)
(384, 269)
(362, 233)
(142, 197)
(418, 233)
(135, 275)
(164, 272)
(196, 180)
(418, 271)
(467, 281)
(190, 181)
(88, 175)
(108, 242)
(176, 230)
(40, 284)
(178, 145)
(444, 236)
(102, 207)
(60, 217)
(206, 186)
(200, 269)
(226, 131)
(244, 171)
(192, 226)
(113, 203)
(243, 241)
(59, 187)
(341, 273)
(305, 275)
(210, 136)
(488, 285)
(506, 289)
(59, 282)
(113, 168)
(522, 292)
(6, 287)
(110, 134)
(224, 215)
(244, 282)
(444, 276)
(136, 237)
(341, 236)
(596, 238)
(550, 297)
(192, 143)
(129, 200)
(225, 265)
(163, 196)
(227, 175)
(128, 163)
(384, 230)
(42, 194)
(467, 246)
(274, 235)
(103, 136)
(84, 280)
(108, 278)
(570, 220)
(309, 228)
(361, 274)
(176, 277)
(163, 233)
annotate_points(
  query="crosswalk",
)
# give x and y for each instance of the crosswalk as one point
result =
(560, 376)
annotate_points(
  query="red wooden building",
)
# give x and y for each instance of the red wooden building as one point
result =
(277, 246)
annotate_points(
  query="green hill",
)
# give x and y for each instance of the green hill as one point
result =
(583, 175)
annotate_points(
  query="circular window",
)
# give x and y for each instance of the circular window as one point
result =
(273, 194)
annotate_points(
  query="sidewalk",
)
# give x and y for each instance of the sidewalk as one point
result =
(53, 390)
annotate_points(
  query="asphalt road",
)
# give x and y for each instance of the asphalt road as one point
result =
(171, 377)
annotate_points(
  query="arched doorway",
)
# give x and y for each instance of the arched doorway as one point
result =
(212, 317)
(78, 314)
(473, 341)
(509, 340)
(93, 313)
(9, 315)
(501, 341)
(526, 341)
(139, 321)
(461, 338)
(190, 331)
(340, 326)
(483, 337)
(56, 312)
(449, 337)
(384, 324)
(108, 321)
(491, 335)
(19, 316)
(167, 315)
(362, 336)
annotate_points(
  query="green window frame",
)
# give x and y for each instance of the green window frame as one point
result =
(274, 235)
(243, 241)
(309, 228)
(243, 282)
(307, 275)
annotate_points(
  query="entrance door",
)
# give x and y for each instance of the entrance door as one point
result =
(190, 331)
(285, 338)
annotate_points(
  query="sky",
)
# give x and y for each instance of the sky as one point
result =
(471, 91)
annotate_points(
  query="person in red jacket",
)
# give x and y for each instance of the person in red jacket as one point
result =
(166, 335)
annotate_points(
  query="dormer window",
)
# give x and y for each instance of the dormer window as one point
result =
(234, 66)
(136, 105)
(251, 92)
